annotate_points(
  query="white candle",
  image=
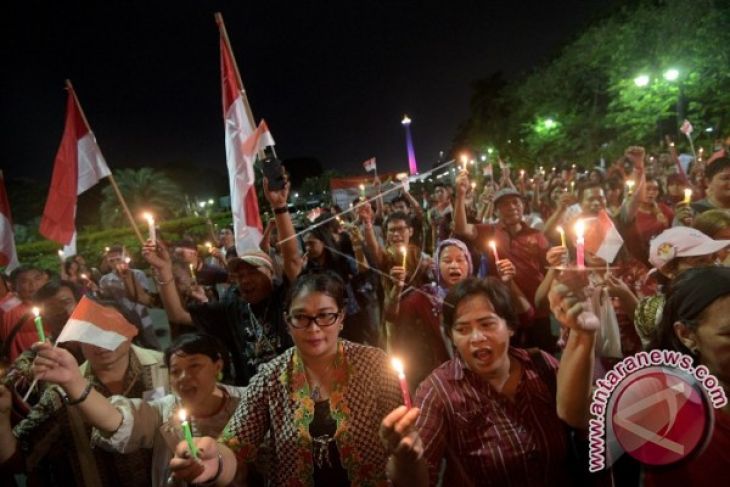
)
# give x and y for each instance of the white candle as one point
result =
(493, 246)
(153, 232)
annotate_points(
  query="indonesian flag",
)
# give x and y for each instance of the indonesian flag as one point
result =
(601, 237)
(8, 255)
(243, 141)
(97, 325)
(78, 166)
(686, 128)
(369, 165)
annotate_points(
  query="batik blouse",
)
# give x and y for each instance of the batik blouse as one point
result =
(278, 402)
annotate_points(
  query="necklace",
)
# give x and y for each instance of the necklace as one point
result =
(315, 390)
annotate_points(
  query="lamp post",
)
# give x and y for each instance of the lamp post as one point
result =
(412, 167)
(671, 75)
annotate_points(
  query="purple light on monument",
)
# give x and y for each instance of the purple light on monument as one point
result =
(412, 167)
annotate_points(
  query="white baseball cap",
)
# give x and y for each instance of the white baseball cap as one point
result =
(681, 242)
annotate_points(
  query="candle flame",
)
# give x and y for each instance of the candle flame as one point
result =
(560, 230)
(473, 185)
(148, 216)
(630, 183)
(36, 311)
(687, 194)
(398, 366)
(127, 260)
(208, 245)
(403, 249)
(60, 253)
(106, 249)
(492, 244)
(84, 276)
(580, 228)
(183, 415)
(362, 187)
(464, 159)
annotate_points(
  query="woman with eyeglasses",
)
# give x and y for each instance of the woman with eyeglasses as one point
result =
(329, 407)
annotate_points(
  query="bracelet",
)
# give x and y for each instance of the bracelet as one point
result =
(282, 210)
(81, 398)
(217, 473)
(164, 283)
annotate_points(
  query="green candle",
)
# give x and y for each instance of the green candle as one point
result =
(39, 325)
(188, 433)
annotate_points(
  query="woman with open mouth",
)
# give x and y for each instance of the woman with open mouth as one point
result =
(497, 414)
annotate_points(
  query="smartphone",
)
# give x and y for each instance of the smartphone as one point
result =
(274, 172)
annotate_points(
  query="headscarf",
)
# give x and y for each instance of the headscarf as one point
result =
(437, 290)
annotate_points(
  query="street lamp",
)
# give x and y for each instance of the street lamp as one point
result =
(549, 123)
(671, 74)
(642, 80)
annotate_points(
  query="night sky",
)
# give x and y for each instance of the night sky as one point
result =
(332, 79)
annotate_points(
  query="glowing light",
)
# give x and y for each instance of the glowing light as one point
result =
(398, 366)
(36, 311)
(671, 74)
(406, 120)
(549, 123)
(642, 80)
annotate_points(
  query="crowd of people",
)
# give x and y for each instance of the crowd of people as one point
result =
(280, 355)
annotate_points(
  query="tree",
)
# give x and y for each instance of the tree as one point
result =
(144, 189)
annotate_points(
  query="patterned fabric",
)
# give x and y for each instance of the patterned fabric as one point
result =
(486, 436)
(277, 401)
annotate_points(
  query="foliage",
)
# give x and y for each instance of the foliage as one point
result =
(589, 89)
(144, 189)
(91, 245)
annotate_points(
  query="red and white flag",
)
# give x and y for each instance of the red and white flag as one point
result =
(601, 237)
(78, 166)
(686, 128)
(8, 255)
(97, 325)
(242, 144)
(370, 165)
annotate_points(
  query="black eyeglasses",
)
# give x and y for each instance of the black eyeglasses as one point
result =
(301, 321)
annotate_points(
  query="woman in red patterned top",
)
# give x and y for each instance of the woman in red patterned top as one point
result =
(498, 414)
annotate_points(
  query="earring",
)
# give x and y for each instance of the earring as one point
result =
(695, 350)
(219, 376)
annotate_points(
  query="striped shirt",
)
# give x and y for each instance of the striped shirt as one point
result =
(488, 439)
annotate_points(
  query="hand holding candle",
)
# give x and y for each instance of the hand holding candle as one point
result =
(580, 244)
(187, 432)
(687, 196)
(39, 324)
(404, 251)
(398, 366)
(493, 246)
(151, 222)
(630, 184)
(562, 236)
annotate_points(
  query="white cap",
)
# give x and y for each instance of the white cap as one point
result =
(681, 242)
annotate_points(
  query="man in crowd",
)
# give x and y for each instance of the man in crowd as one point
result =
(251, 323)
(717, 174)
(186, 251)
(18, 332)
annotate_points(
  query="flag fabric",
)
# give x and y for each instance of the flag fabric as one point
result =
(601, 237)
(369, 165)
(241, 147)
(97, 325)
(78, 166)
(8, 255)
(686, 128)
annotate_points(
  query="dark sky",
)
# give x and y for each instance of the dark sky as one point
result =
(332, 79)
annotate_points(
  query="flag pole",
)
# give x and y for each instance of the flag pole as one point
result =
(113, 182)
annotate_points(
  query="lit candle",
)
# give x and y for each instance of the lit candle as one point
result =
(404, 251)
(630, 183)
(464, 160)
(572, 186)
(398, 366)
(362, 190)
(687, 196)
(522, 174)
(562, 235)
(192, 272)
(579, 244)
(493, 246)
(185, 424)
(39, 324)
(153, 232)
(61, 255)
(83, 277)
(473, 185)
(106, 249)
(127, 260)
(208, 246)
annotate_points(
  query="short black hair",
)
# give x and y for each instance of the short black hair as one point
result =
(23, 269)
(397, 215)
(326, 282)
(582, 188)
(491, 287)
(115, 249)
(198, 343)
(401, 199)
(441, 184)
(51, 288)
(717, 166)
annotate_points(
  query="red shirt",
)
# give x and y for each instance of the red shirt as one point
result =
(26, 335)
(526, 250)
(646, 226)
(488, 439)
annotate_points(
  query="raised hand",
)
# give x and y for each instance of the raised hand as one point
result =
(365, 213)
(277, 198)
(571, 308)
(506, 269)
(157, 255)
(462, 184)
(399, 436)
(196, 471)
(54, 364)
(556, 256)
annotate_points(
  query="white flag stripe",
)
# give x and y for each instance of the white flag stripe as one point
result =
(240, 174)
(92, 166)
(610, 246)
(7, 243)
(86, 332)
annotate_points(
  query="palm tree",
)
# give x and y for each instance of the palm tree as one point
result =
(144, 189)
